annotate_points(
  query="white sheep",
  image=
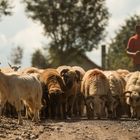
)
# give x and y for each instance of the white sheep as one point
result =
(132, 93)
(18, 89)
(95, 86)
(116, 90)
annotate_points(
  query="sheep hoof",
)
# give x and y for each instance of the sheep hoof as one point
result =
(20, 122)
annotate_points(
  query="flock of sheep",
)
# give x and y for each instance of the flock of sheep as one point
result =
(68, 91)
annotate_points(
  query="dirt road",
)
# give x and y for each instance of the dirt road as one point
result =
(70, 130)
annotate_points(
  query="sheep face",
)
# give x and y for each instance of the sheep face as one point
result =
(133, 98)
(95, 106)
(70, 77)
(54, 86)
(90, 107)
(99, 106)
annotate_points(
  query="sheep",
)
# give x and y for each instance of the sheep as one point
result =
(80, 100)
(35, 72)
(15, 68)
(19, 90)
(95, 86)
(31, 70)
(132, 94)
(6, 70)
(116, 83)
(8, 110)
(122, 72)
(71, 79)
(53, 93)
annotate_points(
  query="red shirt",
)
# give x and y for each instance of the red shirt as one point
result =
(133, 46)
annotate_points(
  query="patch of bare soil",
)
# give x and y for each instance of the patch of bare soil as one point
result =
(77, 129)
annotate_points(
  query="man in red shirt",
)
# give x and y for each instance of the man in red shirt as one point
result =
(133, 48)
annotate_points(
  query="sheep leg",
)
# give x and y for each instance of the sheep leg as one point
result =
(0, 112)
(69, 106)
(18, 106)
(64, 110)
(20, 122)
(36, 116)
(138, 112)
(81, 104)
(133, 112)
(27, 112)
(71, 101)
(1, 107)
(90, 113)
(58, 111)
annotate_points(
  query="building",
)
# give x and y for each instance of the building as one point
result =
(84, 62)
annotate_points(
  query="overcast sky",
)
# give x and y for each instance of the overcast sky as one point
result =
(18, 30)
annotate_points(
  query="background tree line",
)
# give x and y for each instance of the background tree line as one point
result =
(75, 27)
(5, 8)
(117, 57)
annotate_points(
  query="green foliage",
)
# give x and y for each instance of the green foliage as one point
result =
(117, 57)
(58, 57)
(71, 24)
(5, 7)
(16, 55)
(39, 60)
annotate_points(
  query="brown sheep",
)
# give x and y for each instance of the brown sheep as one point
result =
(80, 100)
(71, 79)
(53, 93)
(95, 86)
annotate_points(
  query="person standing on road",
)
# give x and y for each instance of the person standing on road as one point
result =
(133, 48)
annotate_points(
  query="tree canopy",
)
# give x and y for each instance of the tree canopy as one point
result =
(117, 57)
(5, 7)
(39, 60)
(72, 25)
(16, 55)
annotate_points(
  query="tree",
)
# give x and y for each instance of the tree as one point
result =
(117, 56)
(5, 8)
(39, 60)
(16, 55)
(72, 25)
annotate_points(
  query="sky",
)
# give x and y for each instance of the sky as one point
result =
(18, 30)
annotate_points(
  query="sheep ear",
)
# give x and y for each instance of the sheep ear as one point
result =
(127, 93)
(91, 106)
(63, 72)
(89, 101)
(78, 76)
(9, 65)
